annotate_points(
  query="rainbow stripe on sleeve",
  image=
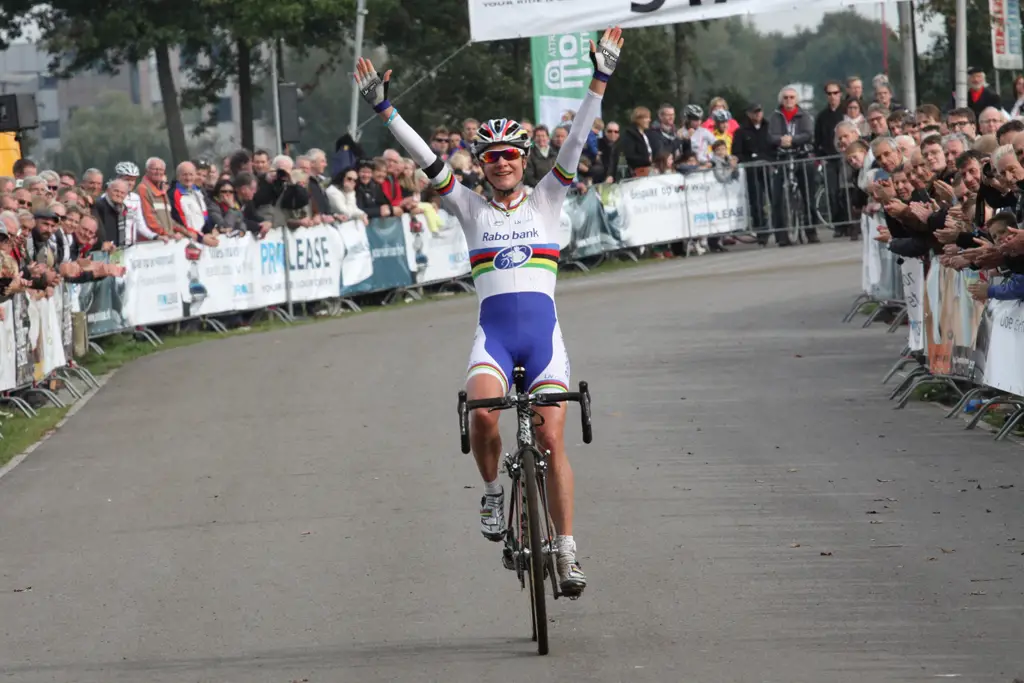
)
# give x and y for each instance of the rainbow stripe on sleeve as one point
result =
(444, 184)
(563, 176)
(543, 256)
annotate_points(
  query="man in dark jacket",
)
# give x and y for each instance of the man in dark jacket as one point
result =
(825, 146)
(980, 96)
(791, 132)
(750, 145)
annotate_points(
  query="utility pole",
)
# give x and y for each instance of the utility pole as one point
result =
(353, 125)
(909, 56)
(961, 53)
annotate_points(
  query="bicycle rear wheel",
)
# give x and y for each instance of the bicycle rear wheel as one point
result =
(536, 544)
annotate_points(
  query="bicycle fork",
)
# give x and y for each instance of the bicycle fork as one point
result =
(516, 553)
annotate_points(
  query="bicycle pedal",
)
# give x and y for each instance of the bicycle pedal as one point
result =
(506, 560)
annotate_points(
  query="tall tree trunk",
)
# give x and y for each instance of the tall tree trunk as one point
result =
(172, 108)
(681, 87)
(245, 93)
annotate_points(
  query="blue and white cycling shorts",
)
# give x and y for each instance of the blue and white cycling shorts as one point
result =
(521, 328)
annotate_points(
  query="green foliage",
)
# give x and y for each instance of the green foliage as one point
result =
(114, 130)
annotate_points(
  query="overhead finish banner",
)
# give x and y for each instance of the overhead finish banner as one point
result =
(502, 19)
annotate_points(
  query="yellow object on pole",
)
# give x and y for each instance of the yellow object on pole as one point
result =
(10, 151)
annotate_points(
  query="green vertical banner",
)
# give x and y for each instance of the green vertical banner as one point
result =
(561, 74)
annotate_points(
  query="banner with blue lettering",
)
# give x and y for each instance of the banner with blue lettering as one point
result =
(357, 262)
(269, 290)
(435, 255)
(387, 248)
(716, 201)
(224, 278)
(314, 256)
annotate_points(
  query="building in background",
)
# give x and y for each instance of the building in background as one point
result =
(24, 69)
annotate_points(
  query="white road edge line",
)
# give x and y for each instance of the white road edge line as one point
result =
(18, 459)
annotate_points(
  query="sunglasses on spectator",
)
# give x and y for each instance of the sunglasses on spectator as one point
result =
(24, 202)
(492, 156)
(833, 92)
(53, 188)
(351, 178)
(957, 124)
(444, 140)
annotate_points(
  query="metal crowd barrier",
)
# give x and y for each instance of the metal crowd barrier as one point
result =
(971, 348)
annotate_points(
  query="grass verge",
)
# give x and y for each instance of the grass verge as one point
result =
(20, 432)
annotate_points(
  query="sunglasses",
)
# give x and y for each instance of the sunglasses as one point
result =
(832, 92)
(351, 178)
(492, 156)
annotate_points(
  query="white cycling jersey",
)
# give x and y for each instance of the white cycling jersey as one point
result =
(514, 257)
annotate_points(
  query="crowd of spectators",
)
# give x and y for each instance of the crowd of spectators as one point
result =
(940, 179)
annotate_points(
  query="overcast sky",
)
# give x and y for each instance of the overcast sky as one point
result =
(789, 22)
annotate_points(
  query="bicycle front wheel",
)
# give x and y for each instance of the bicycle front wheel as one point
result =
(536, 545)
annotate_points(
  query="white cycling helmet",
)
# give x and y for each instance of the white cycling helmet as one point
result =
(501, 131)
(720, 115)
(126, 168)
(693, 111)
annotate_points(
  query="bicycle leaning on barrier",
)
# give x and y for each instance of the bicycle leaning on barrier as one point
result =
(515, 273)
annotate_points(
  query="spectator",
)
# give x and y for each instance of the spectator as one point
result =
(111, 216)
(883, 95)
(878, 121)
(990, 120)
(637, 147)
(825, 146)
(92, 183)
(1015, 103)
(928, 115)
(699, 137)
(954, 145)
(542, 157)
(225, 215)
(342, 193)
(608, 153)
(156, 204)
(663, 135)
(979, 95)
(963, 121)
(854, 115)
(1008, 131)
(855, 89)
(721, 132)
(751, 144)
(719, 104)
(370, 197)
(439, 143)
(188, 204)
(791, 133)
(245, 185)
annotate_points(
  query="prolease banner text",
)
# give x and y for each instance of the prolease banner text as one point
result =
(501, 19)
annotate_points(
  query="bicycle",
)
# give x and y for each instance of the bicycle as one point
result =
(527, 550)
(792, 194)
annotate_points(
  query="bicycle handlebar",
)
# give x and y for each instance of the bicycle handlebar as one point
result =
(504, 402)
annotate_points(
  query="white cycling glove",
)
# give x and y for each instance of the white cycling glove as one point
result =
(375, 91)
(605, 58)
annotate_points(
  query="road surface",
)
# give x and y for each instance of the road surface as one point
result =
(293, 506)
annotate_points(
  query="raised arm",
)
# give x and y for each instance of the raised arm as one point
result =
(605, 57)
(374, 89)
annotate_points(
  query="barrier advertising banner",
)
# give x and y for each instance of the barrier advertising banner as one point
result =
(652, 210)
(101, 300)
(1001, 341)
(912, 271)
(951, 320)
(224, 277)
(716, 201)
(561, 74)
(387, 248)
(880, 275)
(8, 344)
(436, 256)
(357, 262)
(502, 19)
(590, 232)
(314, 263)
(156, 281)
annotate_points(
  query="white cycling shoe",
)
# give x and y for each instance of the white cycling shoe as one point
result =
(571, 579)
(492, 516)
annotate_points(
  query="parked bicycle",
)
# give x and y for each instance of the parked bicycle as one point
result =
(531, 533)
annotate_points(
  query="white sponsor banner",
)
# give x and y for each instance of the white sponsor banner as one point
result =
(1006, 34)
(269, 270)
(653, 210)
(357, 262)
(1004, 359)
(871, 263)
(224, 277)
(44, 335)
(156, 281)
(436, 256)
(8, 346)
(716, 202)
(912, 271)
(501, 19)
(314, 263)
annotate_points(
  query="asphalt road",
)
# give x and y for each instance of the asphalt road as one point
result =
(293, 506)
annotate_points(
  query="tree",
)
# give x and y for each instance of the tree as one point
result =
(105, 35)
(114, 130)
